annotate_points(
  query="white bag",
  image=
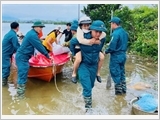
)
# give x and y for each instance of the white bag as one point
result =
(58, 49)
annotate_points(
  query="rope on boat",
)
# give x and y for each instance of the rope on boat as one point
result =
(55, 80)
(79, 89)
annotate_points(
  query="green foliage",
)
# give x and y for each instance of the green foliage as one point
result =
(146, 31)
(101, 12)
(141, 23)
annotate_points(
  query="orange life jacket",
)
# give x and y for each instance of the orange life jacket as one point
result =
(40, 34)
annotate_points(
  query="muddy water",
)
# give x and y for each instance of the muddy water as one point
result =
(44, 98)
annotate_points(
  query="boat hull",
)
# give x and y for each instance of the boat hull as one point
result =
(44, 73)
(41, 68)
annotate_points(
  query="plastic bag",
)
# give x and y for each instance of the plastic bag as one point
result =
(58, 49)
(40, 60)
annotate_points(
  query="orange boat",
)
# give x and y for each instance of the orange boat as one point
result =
(44, 73)
(44, 69)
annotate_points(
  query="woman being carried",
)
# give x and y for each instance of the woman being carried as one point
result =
(84, 24)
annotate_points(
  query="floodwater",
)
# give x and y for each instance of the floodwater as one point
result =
(62, 97)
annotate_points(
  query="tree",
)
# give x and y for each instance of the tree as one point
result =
(146, 31)
(141, 23)
(101, 12)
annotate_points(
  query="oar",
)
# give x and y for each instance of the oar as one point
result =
(108, 85)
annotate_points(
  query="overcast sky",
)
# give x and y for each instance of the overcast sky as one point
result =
(45, 12)
(56, 12)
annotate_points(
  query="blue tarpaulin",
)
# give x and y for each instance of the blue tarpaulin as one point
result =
(147, 103)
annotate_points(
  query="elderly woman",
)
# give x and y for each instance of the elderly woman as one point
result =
(90, 56)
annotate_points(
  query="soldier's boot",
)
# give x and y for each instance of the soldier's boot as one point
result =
(124, 88)
(88, 103)
(118, 89)
(21, 88)
(4, 81)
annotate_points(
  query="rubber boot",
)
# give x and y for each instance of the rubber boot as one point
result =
(88, 103)
(4, 81)
(21, 91)
(118, 89)
(124, 87)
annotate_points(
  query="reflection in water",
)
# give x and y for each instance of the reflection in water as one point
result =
(44, 99)
(118, 105)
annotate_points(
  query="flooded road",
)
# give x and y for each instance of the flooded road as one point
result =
(44, 98)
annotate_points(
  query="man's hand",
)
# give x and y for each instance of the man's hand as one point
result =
(51, 59)
(66, 44)
(97, 42)
(92, 41)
